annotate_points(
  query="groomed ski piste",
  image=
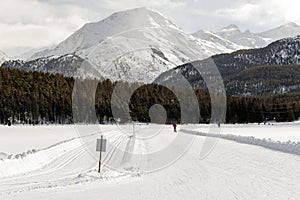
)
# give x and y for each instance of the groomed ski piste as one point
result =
(59, 162)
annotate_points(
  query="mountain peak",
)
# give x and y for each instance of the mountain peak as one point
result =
(118, 23)
(134, 11)
(230, 28)
(138, 18)
(290, 29)
(290, 24)
(139, 9)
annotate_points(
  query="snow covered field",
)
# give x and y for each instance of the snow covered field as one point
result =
(56, 165)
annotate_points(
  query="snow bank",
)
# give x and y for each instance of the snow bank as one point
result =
(35, 159)
(286, 147)
(282, 132)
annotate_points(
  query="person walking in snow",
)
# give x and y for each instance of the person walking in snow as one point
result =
(174, 126)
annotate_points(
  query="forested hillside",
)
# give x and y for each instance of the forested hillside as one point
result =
(274, 69)
(38, 98)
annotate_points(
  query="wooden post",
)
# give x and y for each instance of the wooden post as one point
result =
(99, 170)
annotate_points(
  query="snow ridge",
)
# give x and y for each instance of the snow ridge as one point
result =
(285, 147)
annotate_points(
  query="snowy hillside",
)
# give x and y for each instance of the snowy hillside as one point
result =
(134, 45)
(249, 39)
(3, 57)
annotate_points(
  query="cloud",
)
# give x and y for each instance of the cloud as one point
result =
(26, 24)
(34, 24)
(263, 13)
(38, 23)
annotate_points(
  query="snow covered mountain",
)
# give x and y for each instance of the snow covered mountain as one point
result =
(138, 45)
(248, 39)
(3, 57)
(135, 45)
(212, 37)
(272, 69)
(287, 30)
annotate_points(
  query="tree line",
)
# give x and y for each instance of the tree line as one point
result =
(43, 98)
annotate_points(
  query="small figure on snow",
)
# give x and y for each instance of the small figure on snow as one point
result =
(174, 126)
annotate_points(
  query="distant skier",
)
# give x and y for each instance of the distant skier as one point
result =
(175, 126)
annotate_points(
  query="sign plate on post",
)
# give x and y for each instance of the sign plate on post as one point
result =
(103, 145)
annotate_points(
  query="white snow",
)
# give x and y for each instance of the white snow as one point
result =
(18, 139)
(287, 30)
(120, 46)
(66, 170)
(278, 136)
(213, 37)
(276, 131)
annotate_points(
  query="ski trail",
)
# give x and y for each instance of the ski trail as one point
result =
(71, 163)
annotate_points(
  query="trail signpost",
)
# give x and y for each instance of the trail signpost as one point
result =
(101, 147)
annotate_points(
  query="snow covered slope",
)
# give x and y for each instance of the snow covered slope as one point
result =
(212, 37)
(134, 45)
(93, 33)
(248, 39)
(287, 30)
(3, 57)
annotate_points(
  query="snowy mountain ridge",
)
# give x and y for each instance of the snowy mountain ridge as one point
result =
(272, 69)
(134, 45)
(249, 39)
(287, 30)
(92, 34)
(215, 38)
(140, 44)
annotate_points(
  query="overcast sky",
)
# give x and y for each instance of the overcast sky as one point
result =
(26, 24)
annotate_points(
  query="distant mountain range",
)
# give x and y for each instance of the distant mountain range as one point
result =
(138, 45)
(271, 70)
(135, 46)
(234, 37)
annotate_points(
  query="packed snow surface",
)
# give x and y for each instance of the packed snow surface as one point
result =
(59, 166)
